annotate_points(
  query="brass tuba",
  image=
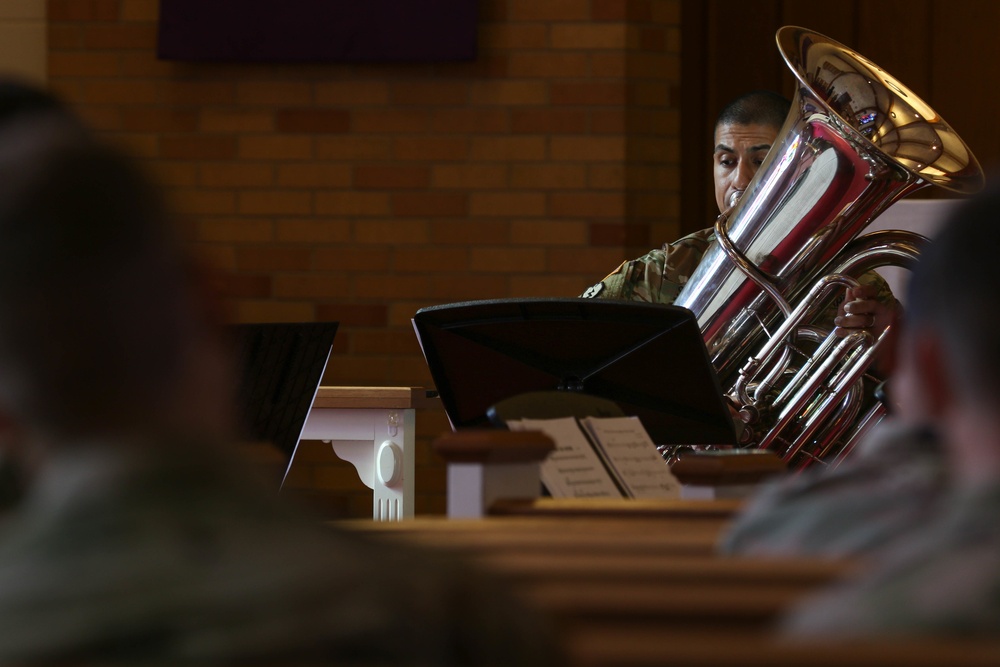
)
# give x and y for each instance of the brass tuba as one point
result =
(855, 141)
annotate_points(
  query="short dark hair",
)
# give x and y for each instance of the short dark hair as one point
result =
(92, 283)
(955, 291)
(759, 107)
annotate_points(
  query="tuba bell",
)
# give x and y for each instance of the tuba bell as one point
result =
(855, 141)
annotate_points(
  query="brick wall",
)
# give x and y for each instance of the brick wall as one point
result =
(362, 193)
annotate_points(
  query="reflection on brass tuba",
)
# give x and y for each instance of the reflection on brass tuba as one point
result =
(856, 140)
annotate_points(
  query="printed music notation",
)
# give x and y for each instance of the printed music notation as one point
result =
(573, 470)
(605, 457)
(632, 457)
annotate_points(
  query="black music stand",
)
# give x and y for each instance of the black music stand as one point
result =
(649, 359)
(280, 367)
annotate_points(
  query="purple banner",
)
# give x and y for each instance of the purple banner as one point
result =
(318, 30)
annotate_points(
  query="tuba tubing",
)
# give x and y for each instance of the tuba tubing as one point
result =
(855, 141)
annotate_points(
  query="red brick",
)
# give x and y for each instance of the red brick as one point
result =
(389, 286)
(468, 287)
(469, 176)
(137, 145)
(587, 93)
(236, 120)
(654, 66)
(352, 148)
(347, 203)
(653, 39)
(587, 205)
(274, 311)
(602, 149)
(236, 174)
(608, 64)
(352, 258)
(609, 10)
(235, 230)
(82, 64)
(393, 232)
(489, 11)
(433, 260)
(275, 147)
(588, 36)
(509, 93)
(275, 202)
(430, 148)
(551, 10)
(197, 92)
(430, 204)
(619, 235)
(391, 177)
(608, 121)
(513, 36)
(119, 92)
(101, 118)
(648, 93)
(508, 149)
(271, 258)
(470, 232)
(82, 10)
(507, 204)
(389, 120)
(354, 314)
(314, 175)
(548, 64)
(589, 262)
(120, 36)
(547, 286)
(352, 93)
(174, 174)
(61, 36)
(198, 147)
(468, 121)
(666, 11)
(313, 121)
(548, 176)
(274, 92)
(313, 230)
(549, 232)
(310, 285)
(242, 286)
(548, 121)
(385, 342)
(507, 260)
(216, 257)
(430, 93)
(606, 176)
(143, 64)
(203, 202)
(486, 66)
(655, 150)
(140, 10)
(159, 119)
(654, 205)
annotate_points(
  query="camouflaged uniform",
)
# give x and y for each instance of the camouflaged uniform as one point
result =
(659, 275)
(888, 489)
(944, 580)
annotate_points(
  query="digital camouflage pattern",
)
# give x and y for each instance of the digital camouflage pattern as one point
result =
(659, 275)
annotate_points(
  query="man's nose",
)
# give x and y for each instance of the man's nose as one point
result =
(744, 174)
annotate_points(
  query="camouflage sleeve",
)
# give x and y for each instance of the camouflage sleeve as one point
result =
(657, 276)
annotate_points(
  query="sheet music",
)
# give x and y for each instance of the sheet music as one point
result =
(632, 456)
(573, 470)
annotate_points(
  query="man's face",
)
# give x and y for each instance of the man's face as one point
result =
(739, 151)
